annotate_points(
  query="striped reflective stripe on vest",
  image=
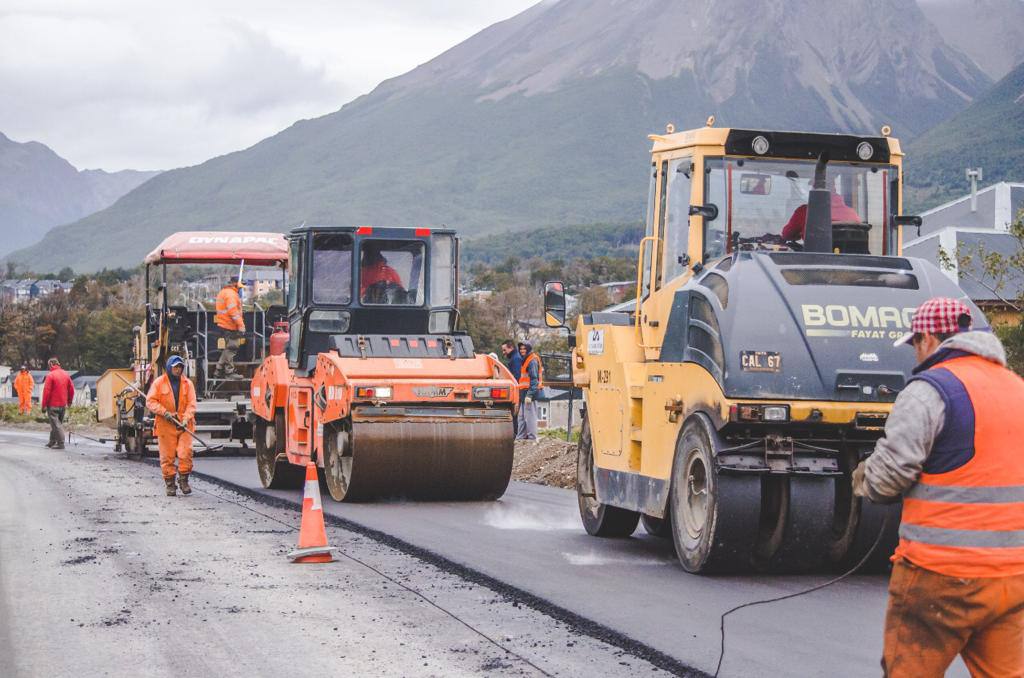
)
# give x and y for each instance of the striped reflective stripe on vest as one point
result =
(941, 536)
(953, 494)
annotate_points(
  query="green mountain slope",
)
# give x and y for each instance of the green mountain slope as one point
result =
(988, 134)
(542, 120)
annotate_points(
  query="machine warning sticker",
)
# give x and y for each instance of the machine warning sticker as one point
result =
(760, 361)
(595, 342)
(408, 363)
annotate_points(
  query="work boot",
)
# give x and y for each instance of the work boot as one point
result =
(50, 444)
(183, 484)
(171, 490)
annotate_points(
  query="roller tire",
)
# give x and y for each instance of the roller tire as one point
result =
(713, 516)
(275, 473)
(857, 523)
(599, 520)
(657, 527)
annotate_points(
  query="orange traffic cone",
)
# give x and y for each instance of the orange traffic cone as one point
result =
(313, 546)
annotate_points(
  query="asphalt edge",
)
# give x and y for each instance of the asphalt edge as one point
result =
(571, 619)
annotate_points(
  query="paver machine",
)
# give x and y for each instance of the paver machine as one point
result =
(376, 383)
(757, 367)
(179, 320)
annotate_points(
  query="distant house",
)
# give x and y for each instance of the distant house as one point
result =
(85, 390)
(956, 226)
(6, 382)
(553, 408)
(44, 288)
(24, 291)
(262, 281)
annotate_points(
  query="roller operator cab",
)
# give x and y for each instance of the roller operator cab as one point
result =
(376, 384)
(729, 408)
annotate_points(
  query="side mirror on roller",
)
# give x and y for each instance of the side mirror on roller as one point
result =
(554, 304)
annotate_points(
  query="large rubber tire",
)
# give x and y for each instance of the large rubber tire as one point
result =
(796, 523)
(276, 473)
(713, 516)
(657, 527)
(599, 520)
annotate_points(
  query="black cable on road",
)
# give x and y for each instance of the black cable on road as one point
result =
(852, 570)
(394, 581)
(573, 620)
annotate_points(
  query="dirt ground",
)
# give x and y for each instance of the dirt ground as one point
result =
(546, 461)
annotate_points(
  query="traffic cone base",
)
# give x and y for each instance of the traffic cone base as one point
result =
(313, 546)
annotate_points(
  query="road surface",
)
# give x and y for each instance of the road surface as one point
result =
(103, 575)
(532, 540)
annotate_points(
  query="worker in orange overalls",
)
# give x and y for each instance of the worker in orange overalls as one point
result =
(229, 318)
(23, 385)
(172, 398)
(952, 451)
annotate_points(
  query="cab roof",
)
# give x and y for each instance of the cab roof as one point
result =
(219, 247)
(781, 144)
(387, 231)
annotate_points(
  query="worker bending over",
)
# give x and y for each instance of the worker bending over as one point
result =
(23, 385)
(172, 398)
(229, 318)
(952, 450)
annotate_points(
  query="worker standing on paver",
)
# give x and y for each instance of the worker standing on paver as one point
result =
(23, 386)
(58, 394)
(952, 450)
(172, 398)
(531, 381)
(229, 318)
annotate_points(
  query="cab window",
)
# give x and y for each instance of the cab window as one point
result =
(391, 272)
(332, 268)
(442, 271)
(677, 221)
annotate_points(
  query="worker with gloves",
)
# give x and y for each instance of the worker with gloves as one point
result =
(229, 318)
(58, 394)
(23, 385)
(172, 398)
(531, 380)
(952, 451)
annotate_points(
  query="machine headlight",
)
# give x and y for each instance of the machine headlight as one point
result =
(329, 322)
(776, 413)
(759, 413)
(440, 322)
(865, 150)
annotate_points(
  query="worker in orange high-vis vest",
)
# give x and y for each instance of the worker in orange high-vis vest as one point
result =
(953, 450)
(23, 385)
(531, 381)
(172, 398)
(229, 318)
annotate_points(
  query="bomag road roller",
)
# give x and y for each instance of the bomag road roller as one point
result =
(375, 384)
(757, 367)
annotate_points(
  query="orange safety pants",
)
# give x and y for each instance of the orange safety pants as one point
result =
(933, 617)
(24, 404)
(177, 445)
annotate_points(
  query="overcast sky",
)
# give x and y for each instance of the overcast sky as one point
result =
(118, 84)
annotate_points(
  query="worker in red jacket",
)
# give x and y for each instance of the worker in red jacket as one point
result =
(375, 275)
(58, 394)
(841, 214)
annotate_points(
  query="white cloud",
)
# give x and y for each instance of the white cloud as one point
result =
(124, 83)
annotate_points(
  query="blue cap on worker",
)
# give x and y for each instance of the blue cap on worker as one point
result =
(174, 360)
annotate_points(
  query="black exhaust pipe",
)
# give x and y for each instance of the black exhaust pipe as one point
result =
(818, 227)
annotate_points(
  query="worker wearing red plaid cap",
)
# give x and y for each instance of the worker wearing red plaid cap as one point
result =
(953, 449)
